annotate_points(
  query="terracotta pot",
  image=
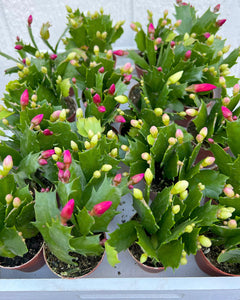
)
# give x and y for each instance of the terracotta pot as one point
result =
(59, 275)
(206, 266)
(32, 265)
(146, 267)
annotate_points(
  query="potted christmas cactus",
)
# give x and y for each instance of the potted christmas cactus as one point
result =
(221, 256)
(168, 222)
(184, 62)
(74, 218)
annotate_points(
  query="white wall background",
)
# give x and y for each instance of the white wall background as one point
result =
(14, 14)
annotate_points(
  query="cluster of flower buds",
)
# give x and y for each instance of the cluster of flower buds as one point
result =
(225, 213)
(224, 70)
(183, 260)
(60, 115)
(146, 156)
(135, 179)
(7, 166)
(101, 35)
(136, 123)
(45, 190)
(63, 167)
(180, 188)
(97, 101)
(100, 208)
(67, 212)
(126, 69)
(93, 139)
(42, 160)
(202, 134)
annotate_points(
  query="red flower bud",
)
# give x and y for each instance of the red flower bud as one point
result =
(172, 44)
(53, 56)
(24, 61)
(136, 179)
(120, 52)
(24, 99)
(227, 114)
(18, 47)
(67, 158)
(67, 211)
(187, 55)
(127, 78)
(100, 208)
(37, 120)
(216, 8)
(42, 162)
(30, 19)
(47, 132)
(60, 165)
(151, 28)
(101, 70)
(219, 23)
(96, 99)
(101, 109)
(119, 119)
(74, 80)
(111, 90)
(60, 175)
(47, 153)
(159, 69)
(7, 163)
(202, 87)
(211, 141)
(66, 176)
(207, 35)
(117, 179)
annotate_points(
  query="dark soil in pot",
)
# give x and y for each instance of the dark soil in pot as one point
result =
(136, 251)
(33, 244)
(135, 95)
(85, 264)
(213, 252)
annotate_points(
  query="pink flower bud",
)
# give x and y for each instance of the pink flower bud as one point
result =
(120, 52)
(60, 165)
(226, 101)
(67, 211)
(42, 162)
(134, 27)
(204, 131)
(179, 134)
(55, 115)
(127, 78)
(18, 38)
(227, 114)
(7, 163)
(187, 55)
(216, 8)
(232, 224)
(18, 47)
(127, 67)
(66, 176)
(228, 192)
(60, 175)
(172, 44)
(96, 99)
(30, 19)
(111, 90)
(235, 118)
(67, 158)
(53, 56)
(101, 70)
(159, 69)
(24, 99)
(201, 87)
(74, 80)
(47, 132)
(208, 161)
(219, 23)
(235, 89)
(199, 138)
(191, 112)
(100, 208)
(119, 119)
(24, 61)
(101, 109)
(37, 120)
(207, 35)
(158, 41)
(117, 179)
(211, 141)
(136, 179)
(151, 28)
(47, 153)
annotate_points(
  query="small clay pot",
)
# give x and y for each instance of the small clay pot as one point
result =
(206, 266)
(32, 265)
(146, 267)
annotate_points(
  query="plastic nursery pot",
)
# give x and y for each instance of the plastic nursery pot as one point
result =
(71, 272)
(144, 266)
(71, 105)
(206, 266)
(32, 265)
(140, 71)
